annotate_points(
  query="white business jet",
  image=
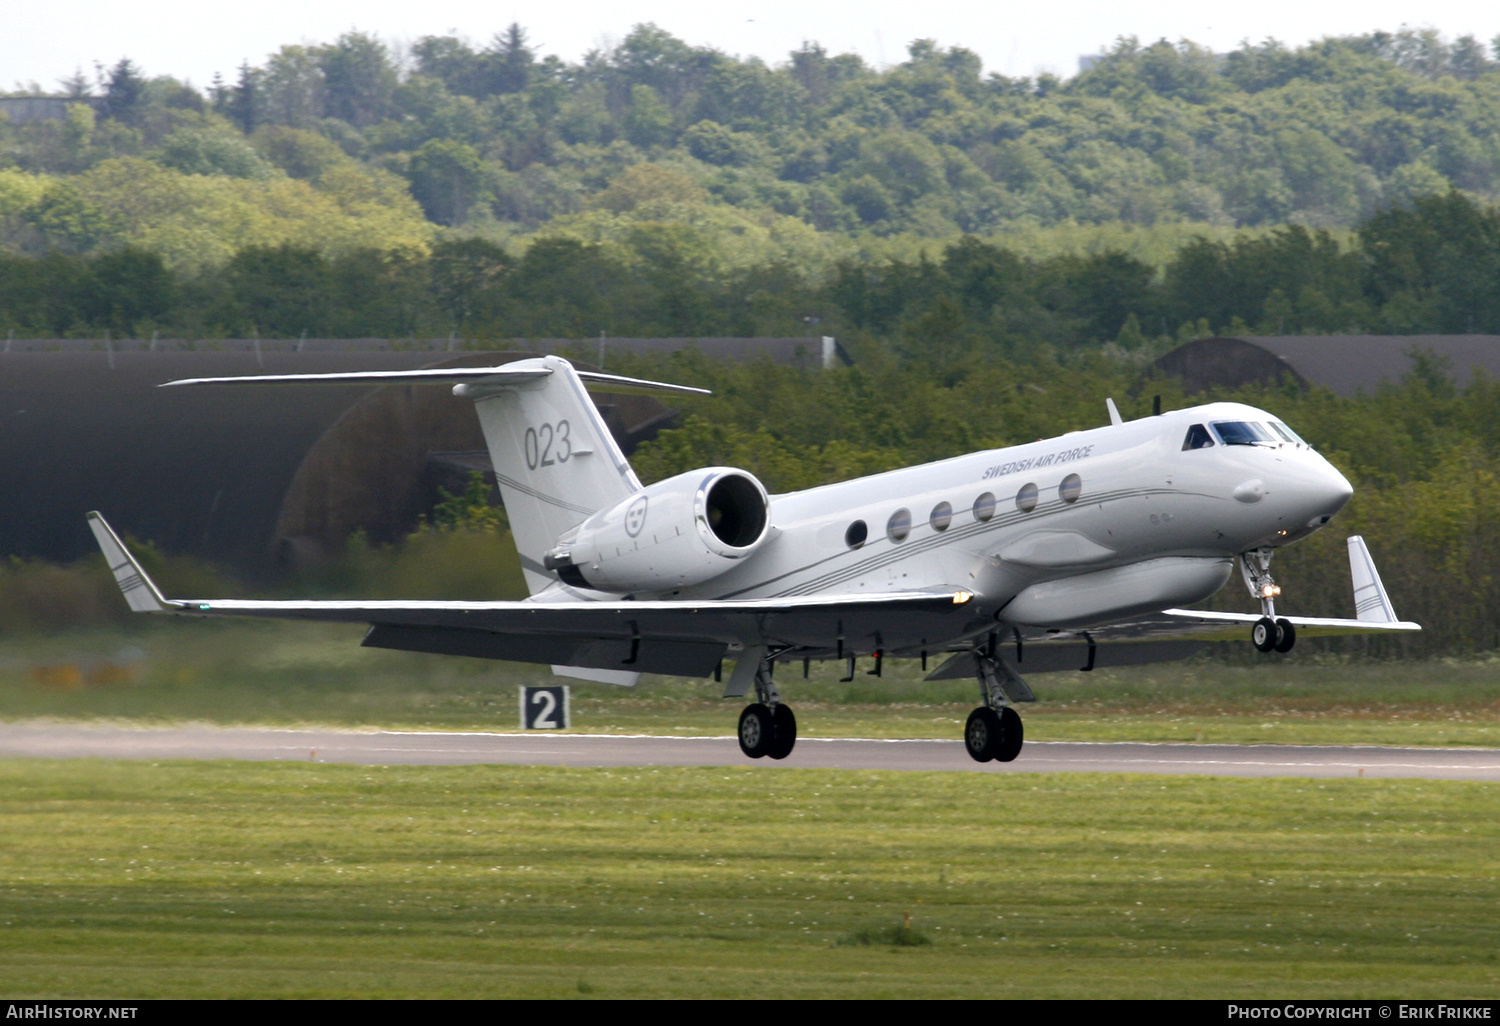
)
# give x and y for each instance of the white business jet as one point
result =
(1067, 553)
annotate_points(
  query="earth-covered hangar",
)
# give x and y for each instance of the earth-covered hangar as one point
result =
(1345, 364)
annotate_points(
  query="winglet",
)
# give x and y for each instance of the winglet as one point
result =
(138, 588)
(1370, 600)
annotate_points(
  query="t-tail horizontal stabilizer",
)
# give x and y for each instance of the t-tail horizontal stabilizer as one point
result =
(511, 375)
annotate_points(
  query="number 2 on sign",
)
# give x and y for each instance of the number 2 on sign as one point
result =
(548, 445)
(547, 718)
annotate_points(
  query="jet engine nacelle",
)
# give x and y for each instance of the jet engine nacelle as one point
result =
(679, 532)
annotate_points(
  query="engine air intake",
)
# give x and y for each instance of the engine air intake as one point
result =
(736, 511)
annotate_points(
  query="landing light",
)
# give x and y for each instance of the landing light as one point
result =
(960, 597)
(1270, 591)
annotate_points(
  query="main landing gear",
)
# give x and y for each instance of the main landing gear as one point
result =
(994, 730)
(767, 726)
(1269, 634)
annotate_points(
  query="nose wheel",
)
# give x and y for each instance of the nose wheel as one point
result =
(1270, 633)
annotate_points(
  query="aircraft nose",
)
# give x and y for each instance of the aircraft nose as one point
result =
(1337, 491)
(1328, 492)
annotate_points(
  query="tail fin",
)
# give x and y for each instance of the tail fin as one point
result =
(555, 461)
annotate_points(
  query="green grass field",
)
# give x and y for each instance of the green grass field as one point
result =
(269, 880)
(315, 674)
(292, 880)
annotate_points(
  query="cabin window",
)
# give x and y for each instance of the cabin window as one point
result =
(1241, 432)
(899, 526)
(856, 535)
(1070, 489)
(942, 516)
(984, 507)
(1026, 498)
(1197, 438)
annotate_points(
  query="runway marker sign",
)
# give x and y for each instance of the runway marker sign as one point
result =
(545, 708)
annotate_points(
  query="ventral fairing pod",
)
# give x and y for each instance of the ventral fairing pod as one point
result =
(683, 531)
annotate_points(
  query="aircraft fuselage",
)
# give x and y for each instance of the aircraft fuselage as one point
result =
(1003, 521)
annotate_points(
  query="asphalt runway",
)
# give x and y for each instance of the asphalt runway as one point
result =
(434, 748)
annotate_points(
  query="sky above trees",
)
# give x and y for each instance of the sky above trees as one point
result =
(49, 42)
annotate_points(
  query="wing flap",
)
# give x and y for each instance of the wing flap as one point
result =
(650, 655)
(1074, 654)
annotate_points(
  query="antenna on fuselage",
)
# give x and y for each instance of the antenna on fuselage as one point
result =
(1114, 412)
(1156, 406)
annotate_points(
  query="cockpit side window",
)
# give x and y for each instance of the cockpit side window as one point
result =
(1241, 432)
(1197, 438)
(1287, 433)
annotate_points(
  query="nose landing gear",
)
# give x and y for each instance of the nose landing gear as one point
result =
(1270, 633)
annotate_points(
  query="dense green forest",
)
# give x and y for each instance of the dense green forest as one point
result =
(815, 157)
(657, 188)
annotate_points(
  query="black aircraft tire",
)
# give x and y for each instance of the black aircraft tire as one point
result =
(1264, 634)
(1011, 736)
(1286, 635)
(757, 731)
(982, 734)
(785, 725)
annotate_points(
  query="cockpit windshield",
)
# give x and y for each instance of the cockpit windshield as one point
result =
(1242, 432)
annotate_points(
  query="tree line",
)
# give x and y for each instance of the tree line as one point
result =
(1432, 266)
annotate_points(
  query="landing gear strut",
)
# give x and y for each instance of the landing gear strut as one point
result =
(1269, 634)
(994, 730)
(767, 726)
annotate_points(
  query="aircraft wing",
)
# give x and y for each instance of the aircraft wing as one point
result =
(682, 638)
